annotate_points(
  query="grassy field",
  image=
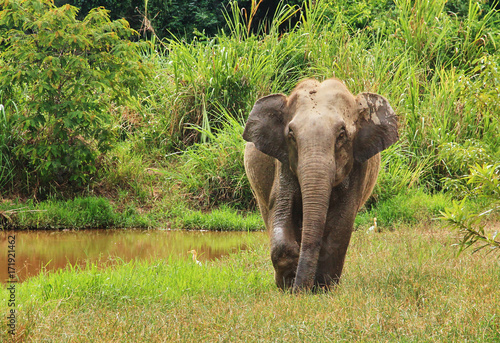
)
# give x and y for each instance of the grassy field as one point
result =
(406, 285)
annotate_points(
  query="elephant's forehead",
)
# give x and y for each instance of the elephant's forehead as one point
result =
(330, 100)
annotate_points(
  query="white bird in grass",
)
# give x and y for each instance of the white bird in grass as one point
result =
(373, 228)
(194, 254)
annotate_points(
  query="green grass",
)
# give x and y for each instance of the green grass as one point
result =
(180, 145)
(404, 208)
(408, 285)
(409, 207)
(99, 212)
(79, 213)
(219, 219)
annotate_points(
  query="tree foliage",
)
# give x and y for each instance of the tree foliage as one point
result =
(65, 73)
(181, 18)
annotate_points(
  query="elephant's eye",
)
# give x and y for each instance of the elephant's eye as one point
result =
(291, 135)
(342, 133)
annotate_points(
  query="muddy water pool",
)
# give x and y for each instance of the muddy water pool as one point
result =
(52, 250)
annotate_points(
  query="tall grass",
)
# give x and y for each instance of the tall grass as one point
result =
(230, 71)
(214, 173)
(475, 34)
(423, 27)
(400, 172)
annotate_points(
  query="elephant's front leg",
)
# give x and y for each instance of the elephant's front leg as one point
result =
(337, 235)
(332, 257)
(284, 255)
(285, 230)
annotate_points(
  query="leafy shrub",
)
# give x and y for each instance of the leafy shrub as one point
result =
(69, 72)
(484, 182)
(359, 14)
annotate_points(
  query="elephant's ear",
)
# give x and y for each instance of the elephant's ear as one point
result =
(377, 126)
(265, 126)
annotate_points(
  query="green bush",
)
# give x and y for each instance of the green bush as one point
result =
(484, 183)
(68, 73)
(360, 14)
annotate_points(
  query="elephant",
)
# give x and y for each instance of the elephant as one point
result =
(312, 159)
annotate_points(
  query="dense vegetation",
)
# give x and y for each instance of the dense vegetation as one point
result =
(189, 18)
(68, 72)
(177, 18)
(156, 125)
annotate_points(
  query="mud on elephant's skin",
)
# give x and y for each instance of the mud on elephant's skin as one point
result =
(312, 159)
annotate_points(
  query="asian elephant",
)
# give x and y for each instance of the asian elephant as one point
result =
(312, 159)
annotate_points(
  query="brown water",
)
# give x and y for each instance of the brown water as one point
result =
(52, 250)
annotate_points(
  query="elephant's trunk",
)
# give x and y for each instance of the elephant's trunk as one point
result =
(316, 179)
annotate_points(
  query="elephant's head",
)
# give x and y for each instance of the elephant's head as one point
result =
(320, 132)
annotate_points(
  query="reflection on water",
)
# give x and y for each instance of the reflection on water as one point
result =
(35, 250)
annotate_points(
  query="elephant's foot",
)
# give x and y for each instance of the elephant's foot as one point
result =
(284, 278)
(325, 282)
(285, 256)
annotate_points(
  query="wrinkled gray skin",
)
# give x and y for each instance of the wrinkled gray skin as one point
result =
(312, 159)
